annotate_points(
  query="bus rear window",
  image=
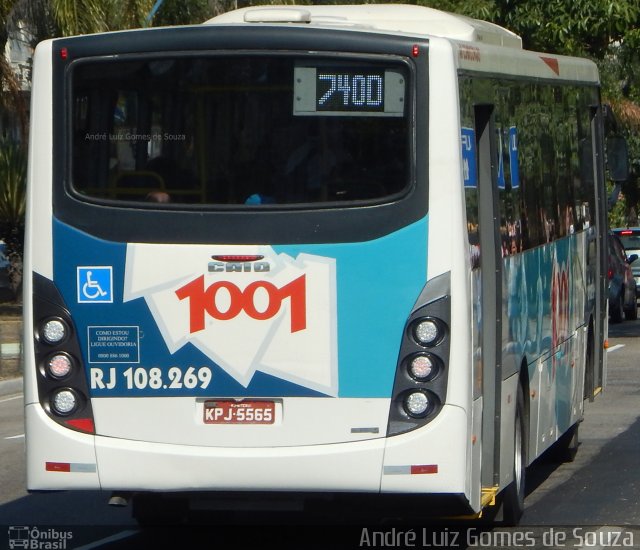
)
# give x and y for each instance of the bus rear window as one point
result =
(240, 130)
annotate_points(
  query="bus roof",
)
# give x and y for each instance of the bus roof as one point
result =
(396, 18)
(480, 46)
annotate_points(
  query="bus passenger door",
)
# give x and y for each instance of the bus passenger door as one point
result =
(491, 293)
(596, 380)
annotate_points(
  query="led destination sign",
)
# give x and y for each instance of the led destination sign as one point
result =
(342, 91)
(345, 91)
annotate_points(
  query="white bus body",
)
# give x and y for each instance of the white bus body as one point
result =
(301, 298)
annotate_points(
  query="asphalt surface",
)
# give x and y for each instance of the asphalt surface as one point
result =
(10, 386)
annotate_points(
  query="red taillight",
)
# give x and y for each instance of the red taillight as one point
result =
(64, 54)
(626, 232)
(82, 424)
(238, 258)
(415, 51)
(424, 469)
(610, 274)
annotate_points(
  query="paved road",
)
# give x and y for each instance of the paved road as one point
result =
(600, 488)
(12, 479)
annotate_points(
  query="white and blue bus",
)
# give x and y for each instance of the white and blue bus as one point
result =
(315, 252)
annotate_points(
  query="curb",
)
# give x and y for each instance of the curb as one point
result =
(11, 386)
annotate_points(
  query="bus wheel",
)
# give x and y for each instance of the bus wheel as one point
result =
(513, 495)
(589, 365)
(616, 309)
(631, 313)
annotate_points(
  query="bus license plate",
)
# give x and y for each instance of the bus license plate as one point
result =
(239, 412)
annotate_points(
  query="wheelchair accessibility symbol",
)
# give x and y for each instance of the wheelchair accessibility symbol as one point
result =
(95, 285)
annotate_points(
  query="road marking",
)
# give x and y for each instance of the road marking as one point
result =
(615, 348)
(11, 398)
(112, 538)
(15, 436)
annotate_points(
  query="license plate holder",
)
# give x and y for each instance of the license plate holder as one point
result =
(247, 411)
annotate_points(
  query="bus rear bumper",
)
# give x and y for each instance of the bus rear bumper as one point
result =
(58, 458)
(424, 461)
(429, 460)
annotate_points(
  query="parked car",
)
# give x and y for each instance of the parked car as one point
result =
(622, 285)
(630, 239)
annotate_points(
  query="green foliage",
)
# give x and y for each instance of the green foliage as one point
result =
(13, 174)
(178, 12)
(618, 213)
(78, 17)
(478, 9)
(90, 16)
(607, 31)
(576, 27)
(572, 27)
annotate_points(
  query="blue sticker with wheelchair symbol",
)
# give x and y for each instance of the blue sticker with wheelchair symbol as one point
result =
(95, 285)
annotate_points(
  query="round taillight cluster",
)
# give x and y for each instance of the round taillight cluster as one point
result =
(54, 331)
(423, 366)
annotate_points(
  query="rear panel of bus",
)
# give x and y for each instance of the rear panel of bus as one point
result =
(229, 259)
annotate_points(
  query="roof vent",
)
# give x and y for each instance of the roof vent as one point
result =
(393, 18)
(277, 15)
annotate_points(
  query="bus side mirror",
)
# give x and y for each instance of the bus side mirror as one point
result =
(617, 158)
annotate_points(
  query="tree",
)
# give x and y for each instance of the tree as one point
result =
(13, 173)
(90, 16)
(573, 27)
(570, 27)
(607, 31)
(12, 99)
(178, 12)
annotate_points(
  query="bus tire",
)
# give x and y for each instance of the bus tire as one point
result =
(631, 313)
(616, 309)
(514, 493)
(589, 366)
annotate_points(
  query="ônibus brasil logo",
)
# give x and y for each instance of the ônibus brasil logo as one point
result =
(22, 536)
(258, 311)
